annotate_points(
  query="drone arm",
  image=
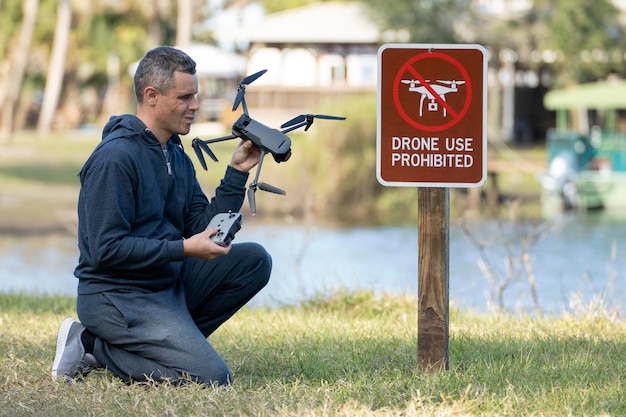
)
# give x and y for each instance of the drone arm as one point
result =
(220, 139)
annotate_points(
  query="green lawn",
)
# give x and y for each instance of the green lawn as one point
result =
(351, 354)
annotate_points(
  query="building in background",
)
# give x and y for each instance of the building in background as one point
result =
(312, 53)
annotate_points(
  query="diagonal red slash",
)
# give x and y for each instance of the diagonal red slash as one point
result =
(436, 96)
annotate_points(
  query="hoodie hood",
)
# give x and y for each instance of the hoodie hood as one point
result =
(126, 125)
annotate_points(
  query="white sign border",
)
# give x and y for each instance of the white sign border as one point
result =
(433, 46)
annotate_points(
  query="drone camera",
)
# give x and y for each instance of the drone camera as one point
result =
(282, 157)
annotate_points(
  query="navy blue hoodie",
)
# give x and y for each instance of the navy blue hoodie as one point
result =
(135, 206)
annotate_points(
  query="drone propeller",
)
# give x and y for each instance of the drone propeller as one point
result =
(199, 146)
(200, 157)
(307, 119)
(252, 198)
(242, 89)
(450, 82)
(414, 82)
(263, 186)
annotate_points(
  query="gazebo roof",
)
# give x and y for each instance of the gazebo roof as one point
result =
(609, 94)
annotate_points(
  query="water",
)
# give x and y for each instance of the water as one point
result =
(578, 259)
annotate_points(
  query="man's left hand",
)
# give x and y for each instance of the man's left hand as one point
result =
(246, 156)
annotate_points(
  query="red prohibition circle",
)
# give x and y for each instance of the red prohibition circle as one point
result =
(407, 67)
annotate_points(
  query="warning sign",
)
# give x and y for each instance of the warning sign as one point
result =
(432, 115)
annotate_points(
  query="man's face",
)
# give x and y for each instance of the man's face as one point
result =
(177, 107)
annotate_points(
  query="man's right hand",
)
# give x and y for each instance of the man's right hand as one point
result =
(201, 246)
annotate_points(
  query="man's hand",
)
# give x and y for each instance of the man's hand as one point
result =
(246, 156)
(201, 246)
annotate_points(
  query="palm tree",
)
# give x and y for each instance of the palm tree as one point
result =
(184, 23)
(56, 70)
(10, 91)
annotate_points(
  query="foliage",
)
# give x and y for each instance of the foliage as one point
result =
(344, 169)
(426, 21)
(589, 35)
(342, 355)
(39, 183)
(338, 164)
(587, 38)
(10, 16)
(100, 30)
(580, 41)
(273, 6)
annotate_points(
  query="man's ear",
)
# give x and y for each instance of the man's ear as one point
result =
(150, 95)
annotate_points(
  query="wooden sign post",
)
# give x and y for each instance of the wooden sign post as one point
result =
(433, 277)
(432, 135)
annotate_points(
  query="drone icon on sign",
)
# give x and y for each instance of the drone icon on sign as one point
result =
(442, 88)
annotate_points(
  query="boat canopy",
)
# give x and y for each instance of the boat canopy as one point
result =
(598, 95)
(608, 96)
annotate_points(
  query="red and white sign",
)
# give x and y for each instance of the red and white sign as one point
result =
(432, 115)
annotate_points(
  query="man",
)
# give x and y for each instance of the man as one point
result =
(152, 285)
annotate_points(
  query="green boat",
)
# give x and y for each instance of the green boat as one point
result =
(586, 166)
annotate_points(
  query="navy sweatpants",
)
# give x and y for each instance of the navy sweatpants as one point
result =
(163, 335)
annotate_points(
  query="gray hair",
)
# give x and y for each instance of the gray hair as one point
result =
(157, 69)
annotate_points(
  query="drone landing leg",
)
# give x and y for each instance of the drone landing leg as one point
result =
(260, 185)
(258, 168)
(253, 185)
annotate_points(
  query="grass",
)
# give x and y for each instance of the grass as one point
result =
(352, 354)
(349, 354)
(39, 181)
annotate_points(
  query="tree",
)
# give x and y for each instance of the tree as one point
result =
(10, 92)
(589, 35)
(424, 21)
(273, 6)
(579, 41)
(104, 36)
(184, 20)
(56, 70)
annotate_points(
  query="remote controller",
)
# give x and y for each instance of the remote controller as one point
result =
(227, 224)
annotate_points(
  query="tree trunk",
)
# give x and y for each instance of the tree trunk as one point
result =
(183, 23)
(17, 66)
(54, 79)
(112, 97)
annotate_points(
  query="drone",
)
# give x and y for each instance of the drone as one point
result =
(439, 89)
(269, 140)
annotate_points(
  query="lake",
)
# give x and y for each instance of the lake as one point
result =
(580, 260)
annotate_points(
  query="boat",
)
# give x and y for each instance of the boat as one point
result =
(586, 166)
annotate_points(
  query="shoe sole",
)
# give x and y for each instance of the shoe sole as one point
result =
(64, 331)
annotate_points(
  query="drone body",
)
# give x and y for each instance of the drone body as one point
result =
(268, 139)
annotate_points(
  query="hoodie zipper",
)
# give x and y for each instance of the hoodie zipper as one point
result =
(166, 154)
